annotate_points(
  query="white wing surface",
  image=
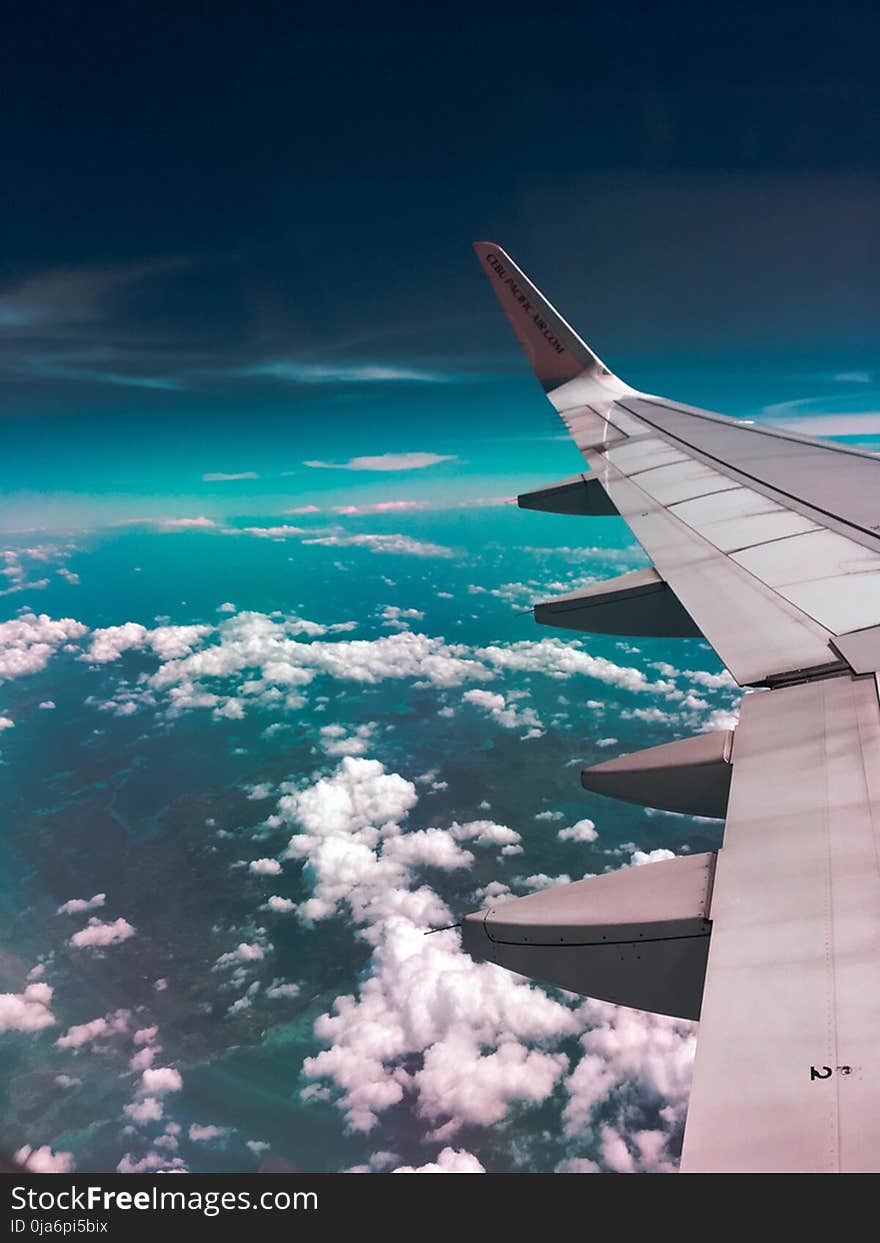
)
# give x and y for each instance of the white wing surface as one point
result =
(768, 544)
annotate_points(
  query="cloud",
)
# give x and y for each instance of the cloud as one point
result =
(278, 906)
(343, 818)
(405, 506)
(79, 366)
(205, 1134)
(273, 665)
(27, 1011)
(583, 831)
(450, 1161)
(222, 477)
(378, 507)
(387, 461)
(264, 867)
(167, 642)
(75, 906)
(641, 857)
(632, 1060)
(98, 934)
(152, 1163)
(560, 659)
(398, 618)
(282, 989)
(335, 740)
(158, 1080)
(577, 1165)
(150, 1109)
(276, 533)
(487, 833)
(243, 952)
(198, 523)
(86, 1033)
(540, 880)
(294, 372)
(180, 524)
(44, 1160)
(399, 544)
(28, 642)
(508, 716)
(423, 996)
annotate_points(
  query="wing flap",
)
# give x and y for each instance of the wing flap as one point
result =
(787, 1077)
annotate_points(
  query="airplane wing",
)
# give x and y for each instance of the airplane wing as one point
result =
(768, 545)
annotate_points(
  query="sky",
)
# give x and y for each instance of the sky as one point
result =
(271, 702)
(256, 215)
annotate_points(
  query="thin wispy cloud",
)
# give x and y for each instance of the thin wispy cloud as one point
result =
(201, 523)
(380, 507)
(824, 415)
(275, 533)
(198, 523)
(387, 461)
(405, 506)
(222, 477)
(385, 543)
(292, 372)
(70, 367)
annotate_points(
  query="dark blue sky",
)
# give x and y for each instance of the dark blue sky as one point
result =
(195, 192)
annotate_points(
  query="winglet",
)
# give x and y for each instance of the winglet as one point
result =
(554, 349)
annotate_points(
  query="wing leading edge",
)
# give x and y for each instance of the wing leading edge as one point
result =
(767, 544)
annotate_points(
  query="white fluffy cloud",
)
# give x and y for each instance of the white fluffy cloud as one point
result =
(141, 1112)
(152, 1163)
(278, 906)
(86, 1033)
(640, 857)
(44, 1160)
(75, 906)
(205, 1134)
(168, 642)
(630, 1056)
(507, 715)
(29, 641)
(387, 461)
(423, 995)
(560, 659)
(158, 1080)
(97, 934)
(582, 831)
(243, 952)
(27, 1011)
(450, 1161)
(336, 739)
(270, 659)
(264, 867)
